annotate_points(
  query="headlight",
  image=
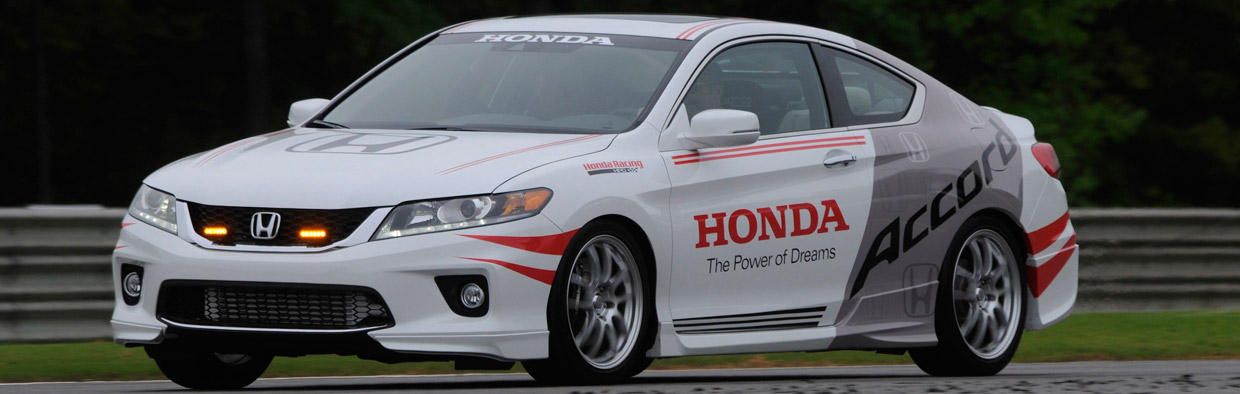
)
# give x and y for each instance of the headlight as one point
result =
(156, 208)
(450, 214)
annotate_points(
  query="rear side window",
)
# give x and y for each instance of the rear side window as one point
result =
(862, 92)
(778, 81)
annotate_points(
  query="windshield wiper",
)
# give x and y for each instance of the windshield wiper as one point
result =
(328, 124)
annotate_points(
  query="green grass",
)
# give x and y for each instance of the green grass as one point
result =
(1099, 336)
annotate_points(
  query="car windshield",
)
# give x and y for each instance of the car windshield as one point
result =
(520, 82)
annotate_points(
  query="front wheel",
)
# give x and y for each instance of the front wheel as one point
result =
(600, 312)
(980, 310)
(202, 370)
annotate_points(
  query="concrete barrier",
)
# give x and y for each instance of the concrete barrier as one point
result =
(55, 273)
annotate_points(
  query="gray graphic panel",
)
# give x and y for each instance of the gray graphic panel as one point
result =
(928, 179)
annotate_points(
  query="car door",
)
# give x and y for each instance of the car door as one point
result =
(765, 234)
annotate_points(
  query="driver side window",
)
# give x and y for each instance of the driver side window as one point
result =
(778, 81)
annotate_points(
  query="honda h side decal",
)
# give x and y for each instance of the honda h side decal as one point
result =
(515, 152)
(918, 296)
(767, 149)
(967, 109)
(887, 246)
(915, 146)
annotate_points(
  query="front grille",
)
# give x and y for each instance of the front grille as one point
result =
(272, 305)
(338, 223)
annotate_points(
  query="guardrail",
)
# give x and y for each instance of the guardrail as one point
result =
(1158, 259)
(56, 273)
(56, 281)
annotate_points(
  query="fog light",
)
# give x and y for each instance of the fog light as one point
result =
(133, 285)
(472, 295)
(465, 295)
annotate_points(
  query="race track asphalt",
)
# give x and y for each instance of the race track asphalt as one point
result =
(1210, 376)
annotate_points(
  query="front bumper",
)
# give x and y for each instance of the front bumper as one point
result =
(401, 270)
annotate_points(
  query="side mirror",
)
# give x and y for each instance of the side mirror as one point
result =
(717, 128)
(302, 110)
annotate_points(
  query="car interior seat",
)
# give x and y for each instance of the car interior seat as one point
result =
(858, 100)
(748, 96)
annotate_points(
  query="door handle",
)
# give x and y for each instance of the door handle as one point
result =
(840, 161)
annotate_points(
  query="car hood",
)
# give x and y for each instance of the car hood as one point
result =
(331, 168)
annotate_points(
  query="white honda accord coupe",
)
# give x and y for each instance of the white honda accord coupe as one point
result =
(584, 194)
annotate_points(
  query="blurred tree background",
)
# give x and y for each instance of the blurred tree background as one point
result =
(1137, 96)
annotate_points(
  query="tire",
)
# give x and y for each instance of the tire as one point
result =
(601, 298)
(980, 310)
(200, 370)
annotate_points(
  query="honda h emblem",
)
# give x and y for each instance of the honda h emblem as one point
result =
(918, 294)
(264, 225)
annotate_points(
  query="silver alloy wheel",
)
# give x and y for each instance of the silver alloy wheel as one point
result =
(986, 294)
(604, 301)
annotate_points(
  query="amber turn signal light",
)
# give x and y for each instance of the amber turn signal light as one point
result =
(312, 234)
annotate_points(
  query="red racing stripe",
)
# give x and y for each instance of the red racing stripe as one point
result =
(692, 30)
(510, 153)
(553, 244)
(453, 30)
(118, 247)
(541, 275)
(763, 152)
(1040, 277)
(1044, 237)
(223, 150)
(462, 26)
(123, 225)
(715, 152)
(275, 133)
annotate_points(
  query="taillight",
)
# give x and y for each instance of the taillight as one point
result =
(1045, 153)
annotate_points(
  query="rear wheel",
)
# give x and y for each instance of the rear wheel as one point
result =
(600, 313)
(980, 310)
(202, 370)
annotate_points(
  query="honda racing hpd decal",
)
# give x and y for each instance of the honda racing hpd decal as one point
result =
(613, 167)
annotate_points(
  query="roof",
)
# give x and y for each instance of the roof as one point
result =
(684, 27)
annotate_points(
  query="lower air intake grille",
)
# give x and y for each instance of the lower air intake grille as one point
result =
(272, 305)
